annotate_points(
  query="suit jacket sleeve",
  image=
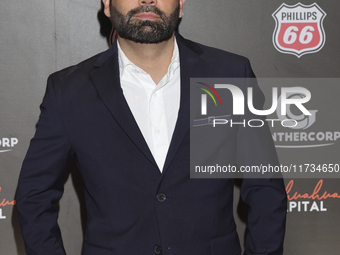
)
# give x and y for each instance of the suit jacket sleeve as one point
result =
(41, 180)
(266, 196)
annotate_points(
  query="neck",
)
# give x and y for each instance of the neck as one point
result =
(152, 58)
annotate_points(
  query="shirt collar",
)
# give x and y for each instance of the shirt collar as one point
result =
(125, 62)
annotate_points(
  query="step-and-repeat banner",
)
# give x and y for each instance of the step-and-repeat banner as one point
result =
(284, 40)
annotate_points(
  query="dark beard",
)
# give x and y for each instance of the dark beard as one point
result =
(145, 31)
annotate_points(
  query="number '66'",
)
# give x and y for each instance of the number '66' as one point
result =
(291, 34)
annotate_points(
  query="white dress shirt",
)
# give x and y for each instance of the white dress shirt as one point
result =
(154, 106)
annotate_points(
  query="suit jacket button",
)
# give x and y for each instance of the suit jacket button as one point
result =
(161, 197)
(157, 249)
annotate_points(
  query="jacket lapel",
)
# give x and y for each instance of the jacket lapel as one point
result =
(191, 66)
(107, 82)
(106, 79)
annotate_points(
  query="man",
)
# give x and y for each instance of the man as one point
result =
(123, 115)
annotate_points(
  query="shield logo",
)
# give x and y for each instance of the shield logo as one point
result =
(299, 29)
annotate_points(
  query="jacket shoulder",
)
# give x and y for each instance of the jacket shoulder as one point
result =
(81, 72)
(78, 71)
(221, 62)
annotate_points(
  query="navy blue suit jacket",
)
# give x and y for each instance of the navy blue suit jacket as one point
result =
(84, 115)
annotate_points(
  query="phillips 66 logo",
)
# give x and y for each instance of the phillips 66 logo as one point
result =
(299, 29)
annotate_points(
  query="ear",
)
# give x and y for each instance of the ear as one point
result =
(181, 3)
(107, 8)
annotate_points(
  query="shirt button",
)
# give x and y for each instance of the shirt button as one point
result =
(157, 249)
(161, 197)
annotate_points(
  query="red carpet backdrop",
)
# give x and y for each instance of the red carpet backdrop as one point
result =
(282, 39)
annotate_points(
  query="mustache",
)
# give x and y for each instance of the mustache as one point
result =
(146, 8)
